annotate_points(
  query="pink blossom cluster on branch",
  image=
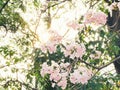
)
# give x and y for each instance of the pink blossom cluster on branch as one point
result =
(95, 18)
(80, 75)
(71, 49)
(60, 74)
(74, 50)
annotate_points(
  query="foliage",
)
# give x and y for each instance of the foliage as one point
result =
(10, 19)
(58, 63)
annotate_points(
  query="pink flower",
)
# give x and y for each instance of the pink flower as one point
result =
(88, 17)
(55, 37)
(95, 18)
(64, 74)
(62, 83)
(73, 24)
(51, 47)
(74, 50)
(86, 74)
(80, 50)
(83, 79)
(58, 74)
(68, 50)
(80, 75)
(45, 69)
(55, 76)
(73, 79)
(101, 18)
(43, 48)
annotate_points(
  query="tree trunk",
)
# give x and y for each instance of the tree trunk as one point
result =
(113, 23)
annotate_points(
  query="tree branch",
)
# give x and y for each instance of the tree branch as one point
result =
(57, 4)
(99, 67)
(4, 5)
(54, 5)
(88, 64)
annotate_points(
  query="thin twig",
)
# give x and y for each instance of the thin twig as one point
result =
(4, 5)
(55, 5)
(6, 66)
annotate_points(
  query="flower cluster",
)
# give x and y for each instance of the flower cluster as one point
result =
(71, 49)
(95, 18)
(74, 50)
(59, 74)
(80, 75)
